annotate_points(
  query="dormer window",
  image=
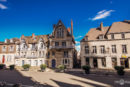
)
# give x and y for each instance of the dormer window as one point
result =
(100, 37)
(123, 36)
(11, 40)
(112, 36)
(86, 38)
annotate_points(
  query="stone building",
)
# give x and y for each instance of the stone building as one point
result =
(61, 46)
(7, 51)
(31, 50)
(53, 50)
(106, 47)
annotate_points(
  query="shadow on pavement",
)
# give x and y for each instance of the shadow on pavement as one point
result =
(109, 80)
(14, 77)
(62, 84)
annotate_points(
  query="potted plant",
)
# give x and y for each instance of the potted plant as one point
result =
(61, 68)
(26, 67)
(2, 66)
(120, 70)
(12, 67)
(43, 67)
(86, 68)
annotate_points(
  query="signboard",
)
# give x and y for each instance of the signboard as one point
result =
(123, 56)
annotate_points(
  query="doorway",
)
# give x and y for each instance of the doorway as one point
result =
(53, 63)
(95, 64)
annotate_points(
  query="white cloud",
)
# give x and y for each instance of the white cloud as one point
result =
(78, 47)
(102, 14)
(3, 0)
(78, 37)
(3, 6)
(77, 42)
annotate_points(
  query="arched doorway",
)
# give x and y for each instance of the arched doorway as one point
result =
(53, 63)
(3, 59)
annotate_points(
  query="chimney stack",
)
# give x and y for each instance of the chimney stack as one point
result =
(22, 36)
(71, 27)
(101, 26)
(33, 35)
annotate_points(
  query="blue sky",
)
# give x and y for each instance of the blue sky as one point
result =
(19, 17)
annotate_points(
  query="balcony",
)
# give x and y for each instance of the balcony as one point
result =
(61, 47)
(18, 56)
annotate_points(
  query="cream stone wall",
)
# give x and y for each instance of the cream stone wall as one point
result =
(108, 55)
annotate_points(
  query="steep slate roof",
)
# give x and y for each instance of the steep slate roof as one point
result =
(29, 39)
(118, 27)
(95, 32)
(9, 42)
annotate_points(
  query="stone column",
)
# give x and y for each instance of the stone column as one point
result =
(118, 61)
(129, 62)
(108, 62)
(91, 62)
(99, 63)
(83, 61)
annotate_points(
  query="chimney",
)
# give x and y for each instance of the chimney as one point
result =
(71, 27)
(68, 29)
(33, 35)
(22, 36)
(101, 26)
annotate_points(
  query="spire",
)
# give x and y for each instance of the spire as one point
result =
(101, 26)
(71, 27)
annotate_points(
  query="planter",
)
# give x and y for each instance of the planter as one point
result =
(12, 67)
(2, 66)
(86, 69)
(42, 70)
(26, 67)
(120, 70)
(43, 67)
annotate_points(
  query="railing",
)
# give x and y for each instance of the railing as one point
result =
(17, 56)
(60, 47)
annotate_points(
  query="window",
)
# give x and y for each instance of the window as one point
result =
(101, 37)
(29, 62)
(63, 43)
(94, 49)
(65, 54)
(41, 45)
(112, 36)
(124, 49)
(60, 33)
(123, 35)
(11, 48)
(86, 38)
(40, 54)
(56, 43)
(53, 53)
(102, 49)
(36, 63)
(114, 62)
(113, 48)
(87, 49)
(33, 46)
(4, 48)
(103, 62)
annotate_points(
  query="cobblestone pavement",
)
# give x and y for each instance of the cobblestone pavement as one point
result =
(70, 79)
(76, 80)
